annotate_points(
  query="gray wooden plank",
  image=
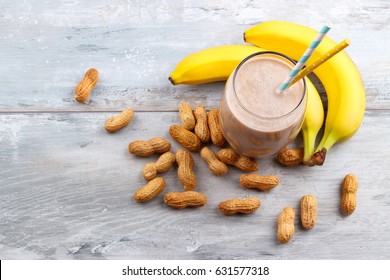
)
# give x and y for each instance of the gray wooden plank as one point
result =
(47, 47)
(66, 193)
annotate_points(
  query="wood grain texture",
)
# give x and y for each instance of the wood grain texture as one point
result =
(66, 190)
(47, 47)
(66, 185)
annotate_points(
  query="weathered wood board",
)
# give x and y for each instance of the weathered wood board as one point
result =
(66, 185)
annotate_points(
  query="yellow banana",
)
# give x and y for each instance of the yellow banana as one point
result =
(314, 119)
(210, 65)
(339, 75)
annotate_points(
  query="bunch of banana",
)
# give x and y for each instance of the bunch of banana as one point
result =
(340, 77)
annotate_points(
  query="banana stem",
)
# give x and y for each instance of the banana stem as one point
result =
(319, 156)
(171, 80)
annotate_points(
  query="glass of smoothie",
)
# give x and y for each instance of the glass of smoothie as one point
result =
(256, 119)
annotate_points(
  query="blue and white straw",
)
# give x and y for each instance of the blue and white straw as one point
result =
(305, 57)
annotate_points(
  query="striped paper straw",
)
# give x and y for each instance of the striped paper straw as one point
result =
(305, 57)
(323, 58)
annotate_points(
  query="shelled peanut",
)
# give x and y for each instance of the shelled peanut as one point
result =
(180, 200)
(150, 190)
(215, 128)
(286, 227)
(163, 163)
(260, 182)
(185, 137)
(86, 85)
(216, 166)
(348, 198)
(146, 148)
(186, 116)
(118, 122)
(244, 163)
(239, 206)
(308, 211)
(201, 126)
(185, 173)
(290, 157)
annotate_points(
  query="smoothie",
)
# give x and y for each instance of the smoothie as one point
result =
(256, 119)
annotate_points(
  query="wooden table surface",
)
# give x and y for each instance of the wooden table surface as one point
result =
(66, 185)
